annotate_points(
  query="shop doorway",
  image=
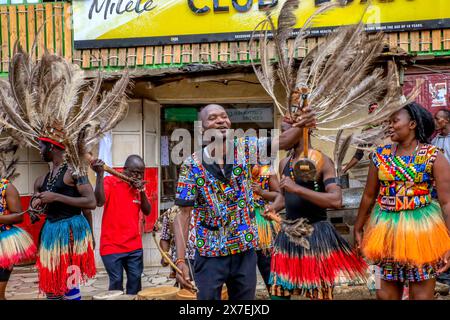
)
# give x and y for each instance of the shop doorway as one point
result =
(242, 116)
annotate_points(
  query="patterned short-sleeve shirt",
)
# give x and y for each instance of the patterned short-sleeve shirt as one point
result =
(406, 182)
(224, 218)
(167, 235)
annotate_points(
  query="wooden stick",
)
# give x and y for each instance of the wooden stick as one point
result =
(168, 260)
(111, 170)
(304, 92)
(164, 255)
(305, 142)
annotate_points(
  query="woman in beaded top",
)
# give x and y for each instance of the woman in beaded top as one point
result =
(406, 236)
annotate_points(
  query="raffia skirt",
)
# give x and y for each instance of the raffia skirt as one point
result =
(407, 245)
(16, 246)
(313, 272)
(267, 231)
(65, 254)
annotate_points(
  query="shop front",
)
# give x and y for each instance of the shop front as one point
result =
(173, 117)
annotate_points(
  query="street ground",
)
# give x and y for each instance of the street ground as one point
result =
(23, 285)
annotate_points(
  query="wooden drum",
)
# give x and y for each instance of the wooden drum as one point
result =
(184, 294)
(158, 293)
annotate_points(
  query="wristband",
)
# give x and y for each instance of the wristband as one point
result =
(180, 260)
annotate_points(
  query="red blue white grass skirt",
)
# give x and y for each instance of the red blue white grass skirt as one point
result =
(16, 245)
(66, 252)
(313, 272)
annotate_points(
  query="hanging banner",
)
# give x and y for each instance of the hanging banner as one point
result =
(128, 23)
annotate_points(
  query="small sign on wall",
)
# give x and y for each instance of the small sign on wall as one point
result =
(250, 115)
(438, 92)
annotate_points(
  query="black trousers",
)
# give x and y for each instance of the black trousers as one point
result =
(237, 271)
(5, 274)
(264, 265)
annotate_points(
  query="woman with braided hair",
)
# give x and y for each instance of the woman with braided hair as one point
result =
(407, 234)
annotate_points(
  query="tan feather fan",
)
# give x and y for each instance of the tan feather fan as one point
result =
(342, 73)
(53, 98)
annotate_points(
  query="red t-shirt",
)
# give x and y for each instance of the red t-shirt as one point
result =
(120, 224)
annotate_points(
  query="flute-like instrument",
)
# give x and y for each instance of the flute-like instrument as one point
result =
(110, 170)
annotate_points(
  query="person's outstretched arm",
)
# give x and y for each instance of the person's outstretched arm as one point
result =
(367, 203)
(13, 205)
(441, 165)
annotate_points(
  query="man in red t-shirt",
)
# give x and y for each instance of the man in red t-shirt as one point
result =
(120, 240)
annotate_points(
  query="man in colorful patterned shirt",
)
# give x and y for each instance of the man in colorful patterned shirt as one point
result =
(221, 197)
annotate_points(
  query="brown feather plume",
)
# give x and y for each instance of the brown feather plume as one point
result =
(339, 156)
(342, 74)
(46, 99)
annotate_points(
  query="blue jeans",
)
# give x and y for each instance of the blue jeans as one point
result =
(237, 271)
(133, 264)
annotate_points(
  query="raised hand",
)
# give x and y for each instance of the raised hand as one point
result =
(97, 166)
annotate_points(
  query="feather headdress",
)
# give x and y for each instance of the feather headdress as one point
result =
(52, 100)
(8, 159)
(10, 142)
(341, 147)
(342, 74)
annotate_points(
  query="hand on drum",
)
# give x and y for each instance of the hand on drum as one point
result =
(184, 279)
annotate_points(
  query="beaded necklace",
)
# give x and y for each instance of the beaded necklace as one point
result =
(52, 180)
(413, 154)
(402, 169)
(291, 172)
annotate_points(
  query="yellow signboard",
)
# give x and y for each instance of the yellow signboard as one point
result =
(127, 23)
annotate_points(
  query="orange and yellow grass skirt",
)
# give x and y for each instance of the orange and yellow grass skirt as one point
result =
(413, 237)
